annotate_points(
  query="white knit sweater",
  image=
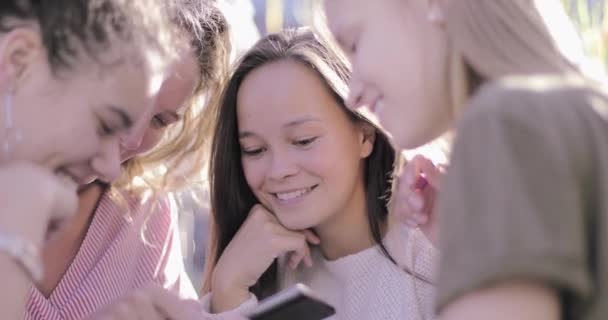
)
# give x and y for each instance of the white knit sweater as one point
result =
(367, 285)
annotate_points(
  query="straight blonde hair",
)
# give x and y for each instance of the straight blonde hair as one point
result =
(492, 39)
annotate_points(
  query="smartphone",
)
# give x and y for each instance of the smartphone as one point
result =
(295, 303)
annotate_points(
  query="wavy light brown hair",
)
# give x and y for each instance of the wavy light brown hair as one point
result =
(178, 160)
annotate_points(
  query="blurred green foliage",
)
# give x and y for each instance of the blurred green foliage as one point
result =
(590, 18)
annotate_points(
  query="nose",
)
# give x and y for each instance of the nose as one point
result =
(355, 91)
(107, 164)
(281, 166)
(132, 139)
(361, 94)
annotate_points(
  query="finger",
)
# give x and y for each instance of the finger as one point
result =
(144, 306)
(415, 201)
(429, 195)
(308, 259)
(432, 174)
(421, 219)
(419, 172)
(407, 214)
(289, 241)
(170, 306)
(311, 237)
(122, 311)
(294, 259)
(409, 201)
(65, 198)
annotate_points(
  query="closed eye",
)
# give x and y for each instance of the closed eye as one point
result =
(251, 152)
(104, 129)
(305, 142)
(164, 120)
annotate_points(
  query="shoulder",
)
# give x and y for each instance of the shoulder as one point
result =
(567, 116)
(153, 217)
(522, 99)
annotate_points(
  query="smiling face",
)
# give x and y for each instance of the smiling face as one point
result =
(69, 119)
(400, 60)
(175, 93)
(301, 154)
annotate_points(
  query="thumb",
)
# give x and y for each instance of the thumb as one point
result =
(65, 200)
(421, 167)
(172, 306)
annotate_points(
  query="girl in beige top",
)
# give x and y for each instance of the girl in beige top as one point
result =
(297, 176)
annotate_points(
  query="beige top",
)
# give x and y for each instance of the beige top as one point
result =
(526, 194)
(366, 285)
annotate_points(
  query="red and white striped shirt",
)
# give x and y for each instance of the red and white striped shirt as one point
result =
(127, 246)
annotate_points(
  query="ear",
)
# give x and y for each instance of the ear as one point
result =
(435, 12)
(19, 50)
(368, 138)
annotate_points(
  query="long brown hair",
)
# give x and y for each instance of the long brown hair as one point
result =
(231, 197)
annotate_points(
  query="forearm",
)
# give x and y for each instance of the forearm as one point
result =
(225, 299)
(514, 300)
(15, 286)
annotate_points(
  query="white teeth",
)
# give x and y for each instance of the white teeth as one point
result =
(293, 195)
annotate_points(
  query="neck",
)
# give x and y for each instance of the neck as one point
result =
(348, 231)
(88, 197)
(62, 247)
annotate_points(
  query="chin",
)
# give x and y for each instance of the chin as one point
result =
(294, 222)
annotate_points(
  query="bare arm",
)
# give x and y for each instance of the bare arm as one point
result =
(15, 285)
(513, 300)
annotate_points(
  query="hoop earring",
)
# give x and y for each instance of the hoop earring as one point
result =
(11, 135)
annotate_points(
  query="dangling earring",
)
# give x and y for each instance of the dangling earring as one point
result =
(11, 134)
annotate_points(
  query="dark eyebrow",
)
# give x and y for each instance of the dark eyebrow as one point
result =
(127, 122)
(300, 121)
(247, 134)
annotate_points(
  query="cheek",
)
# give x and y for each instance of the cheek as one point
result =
(326, 161)
(150, 140)
(253, 169)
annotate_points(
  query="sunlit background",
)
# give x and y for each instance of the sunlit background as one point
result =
(252, 18)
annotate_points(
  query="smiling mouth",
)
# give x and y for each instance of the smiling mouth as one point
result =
(293, 195)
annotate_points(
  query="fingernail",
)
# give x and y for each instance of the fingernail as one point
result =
(415, 201)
